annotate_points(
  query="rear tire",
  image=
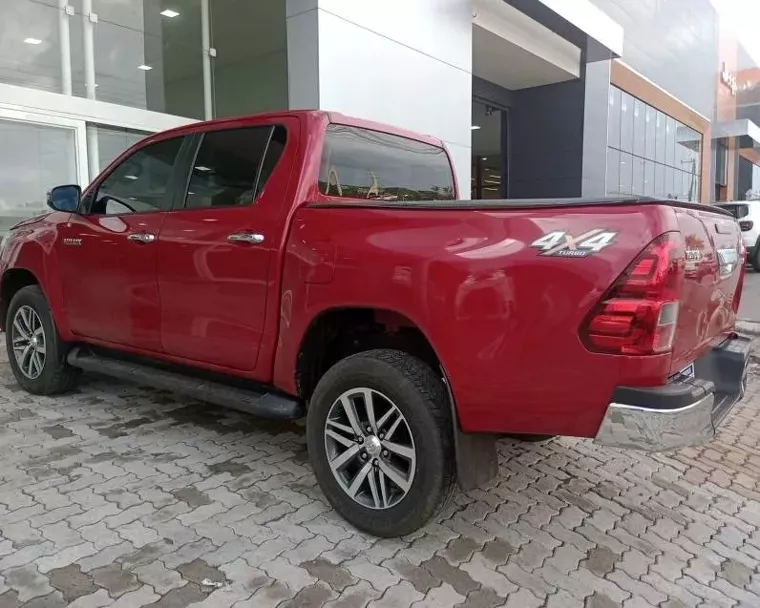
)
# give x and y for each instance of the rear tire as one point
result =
(36, 353)
(408, 402)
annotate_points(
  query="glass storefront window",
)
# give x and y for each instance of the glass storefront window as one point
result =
(112, 141)
(148, 54)
(626, 123)
(654, 155)
(250, 70)
(613, 122)
(30, 52)
(33, 159)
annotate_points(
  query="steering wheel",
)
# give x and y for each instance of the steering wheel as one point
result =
(107, 198)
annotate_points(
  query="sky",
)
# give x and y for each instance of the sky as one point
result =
(744, 18)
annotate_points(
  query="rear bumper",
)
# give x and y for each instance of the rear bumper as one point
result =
(685, 412)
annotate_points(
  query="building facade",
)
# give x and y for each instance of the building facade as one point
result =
(533, 98)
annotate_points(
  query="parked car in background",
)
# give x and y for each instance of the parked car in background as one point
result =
(747, 213)
(309, 263)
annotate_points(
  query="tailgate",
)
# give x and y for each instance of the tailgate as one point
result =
(712, 280)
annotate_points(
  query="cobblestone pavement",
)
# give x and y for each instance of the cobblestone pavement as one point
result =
(124, 497)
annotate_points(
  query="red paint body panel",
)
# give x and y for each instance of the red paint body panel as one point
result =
(503, 320)
(109, 285)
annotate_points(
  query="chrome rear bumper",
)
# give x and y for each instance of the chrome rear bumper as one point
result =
(683, 413)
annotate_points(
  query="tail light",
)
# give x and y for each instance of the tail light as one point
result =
(745, 225)
(638, 314)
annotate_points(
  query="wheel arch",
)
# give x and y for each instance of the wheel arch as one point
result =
(336, 333)
(12, 281)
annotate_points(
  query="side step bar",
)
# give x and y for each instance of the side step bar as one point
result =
(264, 404)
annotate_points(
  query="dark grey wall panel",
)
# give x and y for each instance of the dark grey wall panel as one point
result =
(674, 43)
(546, 141)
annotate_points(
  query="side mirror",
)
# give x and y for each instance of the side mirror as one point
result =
(65, 198)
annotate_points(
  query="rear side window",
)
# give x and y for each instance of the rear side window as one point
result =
(232, 166)
(738, 211)
(364, 164)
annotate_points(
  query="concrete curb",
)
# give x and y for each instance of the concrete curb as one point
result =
(748, 327)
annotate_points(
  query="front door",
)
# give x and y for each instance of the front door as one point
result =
(215, 252)
(108, 253)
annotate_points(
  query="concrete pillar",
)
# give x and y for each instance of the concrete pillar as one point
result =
(596, 113)
(404, 63)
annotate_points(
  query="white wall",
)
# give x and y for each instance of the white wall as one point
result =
(406, 63)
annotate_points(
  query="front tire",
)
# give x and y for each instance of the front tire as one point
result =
(380, 441)
(36, 353)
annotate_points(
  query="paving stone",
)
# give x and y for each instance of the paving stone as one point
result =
(99, 599)
(523, 598)
(337, 577)
(142, 597)
(402, 594)
(159, 577)
(65, 557)
(72, 582)
(535, 584)
(482, 598)
(294, 577)
(459, 579)
(106, 556)
(311, 596)
(479, 570)
(268, 597)
(115, 579)
(27, 582)
(51, 600)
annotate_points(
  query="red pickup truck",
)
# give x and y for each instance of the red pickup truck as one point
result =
(309, 263)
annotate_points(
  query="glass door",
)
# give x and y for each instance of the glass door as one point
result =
(489, 159)
(37, 153)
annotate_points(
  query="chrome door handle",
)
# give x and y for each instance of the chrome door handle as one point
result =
(246, 237)
(142, 237)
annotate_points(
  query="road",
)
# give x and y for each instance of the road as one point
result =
(125, 497)
(749, 307)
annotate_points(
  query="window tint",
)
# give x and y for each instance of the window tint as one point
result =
(227, 166)
(140, 183)
(360, 163)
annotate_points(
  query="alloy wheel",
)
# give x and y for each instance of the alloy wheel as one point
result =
(29, 343)
(370, 448)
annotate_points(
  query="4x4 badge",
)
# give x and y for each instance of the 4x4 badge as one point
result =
(561, 244)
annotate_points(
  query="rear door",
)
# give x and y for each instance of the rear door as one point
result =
(216, 249)
(712, 279)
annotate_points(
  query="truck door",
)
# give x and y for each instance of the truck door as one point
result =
(108, 252)
(217, 247)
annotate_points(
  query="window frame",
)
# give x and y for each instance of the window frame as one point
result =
(180, 203)
(179, 168)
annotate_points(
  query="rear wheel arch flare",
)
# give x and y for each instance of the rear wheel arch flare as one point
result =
(336, 333)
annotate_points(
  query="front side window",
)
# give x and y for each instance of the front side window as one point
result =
(141, 183)
(232, 166)
(364, 164)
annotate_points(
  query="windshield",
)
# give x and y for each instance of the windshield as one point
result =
(364, 164)
(737, 210)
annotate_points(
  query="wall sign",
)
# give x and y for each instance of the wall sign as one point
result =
(729, 79)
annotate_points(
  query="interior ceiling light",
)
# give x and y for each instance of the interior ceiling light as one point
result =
(32, 40)
(169, 13)
(144, 68)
